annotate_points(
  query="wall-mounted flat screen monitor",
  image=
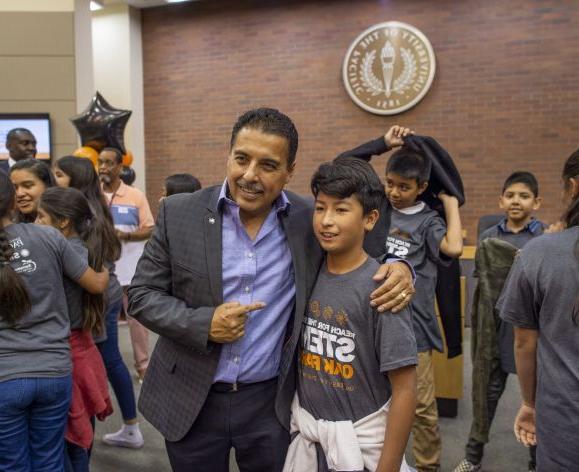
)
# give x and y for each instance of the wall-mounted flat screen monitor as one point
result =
(37, 123)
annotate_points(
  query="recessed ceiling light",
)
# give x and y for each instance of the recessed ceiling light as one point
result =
(96, 5)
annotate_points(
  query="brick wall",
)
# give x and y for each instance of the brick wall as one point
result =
(504, 97)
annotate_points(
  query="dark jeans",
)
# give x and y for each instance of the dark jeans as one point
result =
(76, 458)
(244, 420)
(33, 414)
(117, 371)
(496, 387)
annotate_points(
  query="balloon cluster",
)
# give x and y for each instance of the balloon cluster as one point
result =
(100, 125)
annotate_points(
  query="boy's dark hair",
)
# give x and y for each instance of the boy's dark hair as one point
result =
(347, 176)
(525, 178)
(118, 153)
(409, 165)
(271, 121)
(181, 183)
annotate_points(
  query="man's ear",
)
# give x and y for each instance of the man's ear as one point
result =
(574, 182)
(422, 187)
(537, 204)
(370, 219)
(290, 171)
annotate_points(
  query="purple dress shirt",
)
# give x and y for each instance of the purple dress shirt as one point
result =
(258, 270)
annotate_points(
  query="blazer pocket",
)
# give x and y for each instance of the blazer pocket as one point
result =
(191, 286)
(191, 270)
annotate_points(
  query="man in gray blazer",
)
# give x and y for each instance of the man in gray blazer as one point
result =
(224, 280)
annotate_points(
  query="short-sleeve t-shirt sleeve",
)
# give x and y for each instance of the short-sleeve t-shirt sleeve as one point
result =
(518, 303)
(73, 264)
(395, 341)
(435, 232)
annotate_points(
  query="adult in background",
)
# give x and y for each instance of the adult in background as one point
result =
(20, 144)
(78, 173)
(542, 302)
(225, 280)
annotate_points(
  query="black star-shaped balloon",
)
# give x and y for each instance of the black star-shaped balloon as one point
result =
(101, 125)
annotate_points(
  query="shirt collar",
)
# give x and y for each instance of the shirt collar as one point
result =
(417, 208)
(280, 204)
(120, 191)
(532, 226)
(11, 162)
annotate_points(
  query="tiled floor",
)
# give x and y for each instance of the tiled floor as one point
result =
(502, 454)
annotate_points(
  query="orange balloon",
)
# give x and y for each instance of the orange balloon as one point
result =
(128, 159)
(88, 153)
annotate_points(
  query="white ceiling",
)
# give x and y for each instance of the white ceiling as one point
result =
(141, 3)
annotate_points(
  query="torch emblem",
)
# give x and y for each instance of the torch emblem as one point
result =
(389, 68)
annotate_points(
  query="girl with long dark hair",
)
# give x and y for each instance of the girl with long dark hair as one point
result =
(542, 302)
(35, 364)
(67, 210)
(31, 177)
(79, 173)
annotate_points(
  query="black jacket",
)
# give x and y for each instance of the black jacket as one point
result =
(444, 176)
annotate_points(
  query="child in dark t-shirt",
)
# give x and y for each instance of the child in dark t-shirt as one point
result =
(420, 236)
(519, 199)
(356, 388)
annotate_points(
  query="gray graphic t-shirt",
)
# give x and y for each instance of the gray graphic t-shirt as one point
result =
(540, 293)
(415, 235)
(37, 345)
(73, 291)
(347, 347)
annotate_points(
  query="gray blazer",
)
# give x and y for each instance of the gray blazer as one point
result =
(175, 290)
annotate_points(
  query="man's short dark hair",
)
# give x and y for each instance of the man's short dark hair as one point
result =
(525, 178)
(118, 153)
(13, 132)
(347, 176)
(181, 183)
(271, 121)
(409, 165)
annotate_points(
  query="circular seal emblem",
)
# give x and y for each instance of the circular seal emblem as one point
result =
(389, 68)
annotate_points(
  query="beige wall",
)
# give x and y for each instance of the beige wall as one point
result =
(118, 73)
(37, 60)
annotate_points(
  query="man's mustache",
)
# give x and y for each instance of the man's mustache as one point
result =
(249, 187)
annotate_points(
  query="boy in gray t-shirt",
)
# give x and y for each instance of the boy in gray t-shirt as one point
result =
(419, 235)
(357, 366)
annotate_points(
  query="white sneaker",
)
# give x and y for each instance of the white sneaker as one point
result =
(128, 436)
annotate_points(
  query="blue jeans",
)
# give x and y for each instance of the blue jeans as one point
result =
(33, 414)
(117, 371)
(76, 458)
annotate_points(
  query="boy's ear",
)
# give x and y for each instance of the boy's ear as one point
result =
(370, 219)
(501, 204)
(422, 187)
(537, 203)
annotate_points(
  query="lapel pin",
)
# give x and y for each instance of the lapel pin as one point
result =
(211, 220)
